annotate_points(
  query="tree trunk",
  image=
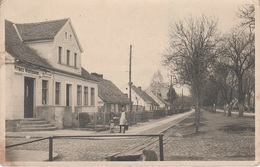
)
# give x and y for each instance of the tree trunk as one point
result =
(229, 110)
(248, 102)
(241, 109)
(214, 108)
(241, 97)
(197, 111)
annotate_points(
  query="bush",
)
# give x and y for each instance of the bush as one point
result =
(84, 119)
(170, 112)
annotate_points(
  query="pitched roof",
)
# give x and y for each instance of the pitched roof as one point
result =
(19, 50)
(165, 102)
(85, 74)
(109, 93)
(41, 30)
(144, 95)
(163, 90)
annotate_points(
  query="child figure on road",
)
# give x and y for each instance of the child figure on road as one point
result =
(111, 122)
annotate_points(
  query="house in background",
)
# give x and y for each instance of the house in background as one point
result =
(110, 98)
(160, 91)
(164, 105)
(141, 98)
(43, 73)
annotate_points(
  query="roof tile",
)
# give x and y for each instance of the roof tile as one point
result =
(19, 50)
(40, 31)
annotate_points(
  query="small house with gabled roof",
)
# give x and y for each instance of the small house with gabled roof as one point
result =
(141, 98)
(162, 103)
(44, 77)
(110, 97)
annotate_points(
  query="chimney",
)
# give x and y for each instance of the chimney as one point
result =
(97, 75)
(140, 87)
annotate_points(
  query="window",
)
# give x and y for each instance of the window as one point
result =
(60, 54)
(79, 95)
(66, 35)
(57, 93)
(86, 96)
(70, 37)
(44, 91)
(92, 97)
(68, 57)
(75, 59)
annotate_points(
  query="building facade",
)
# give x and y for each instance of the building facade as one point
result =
(141, 98)
(43, 73)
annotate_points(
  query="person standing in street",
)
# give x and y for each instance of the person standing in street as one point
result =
(122, 121)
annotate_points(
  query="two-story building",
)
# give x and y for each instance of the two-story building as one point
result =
(43, 73)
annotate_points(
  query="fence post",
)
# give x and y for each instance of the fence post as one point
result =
(50, 148)
(161, 146)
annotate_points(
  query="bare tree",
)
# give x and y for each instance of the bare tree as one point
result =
(238, 53)
(210, 93)
(157, 82)
(191, 54)
(247, 14)
(226, 82)
(249, 87)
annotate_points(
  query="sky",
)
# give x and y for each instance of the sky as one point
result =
(107, 28)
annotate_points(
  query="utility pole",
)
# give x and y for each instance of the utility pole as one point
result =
(130, 83)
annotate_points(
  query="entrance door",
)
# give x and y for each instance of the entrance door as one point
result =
(28, 97)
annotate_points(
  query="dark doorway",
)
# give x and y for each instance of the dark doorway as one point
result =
(28, 97)
(68, 94)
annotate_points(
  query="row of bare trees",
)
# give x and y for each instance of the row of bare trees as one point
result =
(212, 64)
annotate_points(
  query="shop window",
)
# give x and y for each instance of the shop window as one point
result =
(44, 92)
(92, 97)
(60, 54)
(57, 93)
(79, 95)
(68, 57)
(86, 96)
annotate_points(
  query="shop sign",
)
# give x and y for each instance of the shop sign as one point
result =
(25, 70)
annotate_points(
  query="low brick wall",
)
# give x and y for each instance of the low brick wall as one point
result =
(59, 116)
(11, 125)
(63, 117)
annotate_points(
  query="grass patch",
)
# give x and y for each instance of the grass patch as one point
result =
(237, 128)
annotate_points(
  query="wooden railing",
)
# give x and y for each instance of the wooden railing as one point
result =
(51, 138)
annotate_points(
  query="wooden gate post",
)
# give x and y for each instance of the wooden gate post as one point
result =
(50, 148)
(161, 146)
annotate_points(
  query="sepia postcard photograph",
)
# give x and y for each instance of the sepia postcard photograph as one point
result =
(129, 83)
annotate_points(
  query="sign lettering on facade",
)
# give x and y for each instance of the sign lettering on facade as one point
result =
(20, 70)
(25, 70)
